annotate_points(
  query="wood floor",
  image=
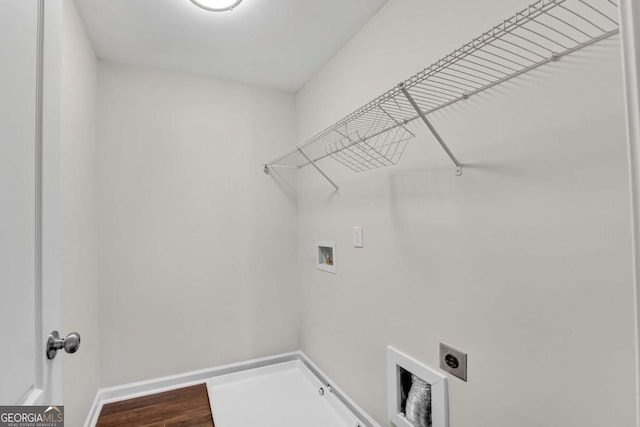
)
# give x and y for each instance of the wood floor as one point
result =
(176, 408)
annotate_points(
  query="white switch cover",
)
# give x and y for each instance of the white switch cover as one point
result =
(357, 237)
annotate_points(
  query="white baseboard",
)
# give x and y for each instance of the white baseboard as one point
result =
(161, 384)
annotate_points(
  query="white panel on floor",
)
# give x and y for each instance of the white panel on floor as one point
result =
(283, 395)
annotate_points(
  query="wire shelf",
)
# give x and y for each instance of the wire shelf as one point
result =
(376, 134)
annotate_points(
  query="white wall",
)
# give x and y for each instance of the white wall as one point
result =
(630, 26)
(79, 297)
(197, 247)
(524, 261)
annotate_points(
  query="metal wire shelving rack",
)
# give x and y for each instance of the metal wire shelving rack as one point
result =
(376, 134)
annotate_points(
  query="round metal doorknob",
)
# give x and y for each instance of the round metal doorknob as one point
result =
(70, 344)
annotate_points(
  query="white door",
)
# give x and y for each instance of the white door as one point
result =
(24, 375)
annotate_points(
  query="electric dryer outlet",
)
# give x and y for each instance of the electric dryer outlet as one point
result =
(454, 361)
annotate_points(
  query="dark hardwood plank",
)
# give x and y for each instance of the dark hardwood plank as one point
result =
(202, 419)
(183, 407)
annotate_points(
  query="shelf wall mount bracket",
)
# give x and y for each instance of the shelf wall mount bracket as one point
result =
(312, 163)
(267, 168)
(433, 130)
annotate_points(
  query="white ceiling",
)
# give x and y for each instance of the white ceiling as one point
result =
(272, 43)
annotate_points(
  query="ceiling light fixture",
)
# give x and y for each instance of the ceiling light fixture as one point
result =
(217, 5)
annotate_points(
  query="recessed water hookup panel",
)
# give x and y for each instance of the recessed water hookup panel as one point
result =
(326, 256)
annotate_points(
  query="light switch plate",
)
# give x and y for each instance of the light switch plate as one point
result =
(357, 237)
(453, 361)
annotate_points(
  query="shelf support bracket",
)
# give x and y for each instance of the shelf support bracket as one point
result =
(267, 168)
(431, 128)
(319, 170)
